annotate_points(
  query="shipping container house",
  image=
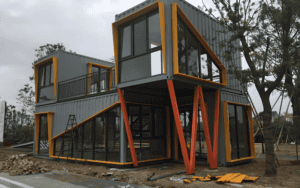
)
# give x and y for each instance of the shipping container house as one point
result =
(167, 97)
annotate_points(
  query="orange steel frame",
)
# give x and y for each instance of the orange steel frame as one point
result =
(128, 131)
(37, 127)
(198, 98)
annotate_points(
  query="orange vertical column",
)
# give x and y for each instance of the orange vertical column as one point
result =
(194, 130)
(178, 125)
(214, 162)
(206, 128)
(128, 131)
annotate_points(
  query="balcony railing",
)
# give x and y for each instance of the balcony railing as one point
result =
(87, 84)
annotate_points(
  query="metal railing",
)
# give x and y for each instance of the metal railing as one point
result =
(87, 84)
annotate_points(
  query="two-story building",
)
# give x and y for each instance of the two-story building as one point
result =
(167, 97)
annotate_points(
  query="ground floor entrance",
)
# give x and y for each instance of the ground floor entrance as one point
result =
(43, 144)
(148, 128)
(186, 116)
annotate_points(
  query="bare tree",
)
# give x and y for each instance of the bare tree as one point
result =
(269, 30)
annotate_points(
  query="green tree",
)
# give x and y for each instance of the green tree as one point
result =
(269, 32)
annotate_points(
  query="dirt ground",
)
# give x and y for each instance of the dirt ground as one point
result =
(285, 150)
(287, 174)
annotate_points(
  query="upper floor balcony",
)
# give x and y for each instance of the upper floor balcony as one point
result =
(64, 75)
(94, 83)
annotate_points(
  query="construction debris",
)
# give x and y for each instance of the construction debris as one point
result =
(16, 165)
(235, 178)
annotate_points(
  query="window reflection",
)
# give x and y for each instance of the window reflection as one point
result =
(126, 41)
(154, 31)
(193, 59)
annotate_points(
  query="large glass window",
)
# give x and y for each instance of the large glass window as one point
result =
(186, 117)
(154, 31)
(239, 131)
(181, 47)
(46, 80)
(192, 53)
(88, 140)
(113, 135)
(145, 40)
(125, 41)
(193, 59)
(100, 124)
(140, 39)
(148, 126)
(98, 139)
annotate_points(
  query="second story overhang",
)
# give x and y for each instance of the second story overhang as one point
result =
(171, 43)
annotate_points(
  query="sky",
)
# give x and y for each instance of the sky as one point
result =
(82, 26)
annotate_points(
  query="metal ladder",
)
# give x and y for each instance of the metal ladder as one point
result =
(71, 122)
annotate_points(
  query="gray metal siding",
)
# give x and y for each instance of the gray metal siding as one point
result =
(225, 96)
(70, 65)
(73, 65)
(82, 109)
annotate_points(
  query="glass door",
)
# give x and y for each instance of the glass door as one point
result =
(186, 117)
(43, 136)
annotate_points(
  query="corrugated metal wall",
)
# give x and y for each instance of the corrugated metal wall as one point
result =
(207, 27)
(83, 109)
(233, 98)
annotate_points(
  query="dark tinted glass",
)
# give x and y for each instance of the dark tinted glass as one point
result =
(67, 147)
(125, 41)
(242, 132)
(158, 118)
(154, 31)
(58, 142)
(100, 138)
(52, 74)
(46, 94)
(233, 132)
(113, 148)
(88, 141)
(192, 50)
(42, 76)
(140, 40)
(47, 76)
(181, 47)
(78, 137)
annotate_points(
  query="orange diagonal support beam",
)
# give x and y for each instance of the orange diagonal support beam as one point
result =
(214, 162)
(178, 125)
(128, 131)
(206, 128)
(194, 130)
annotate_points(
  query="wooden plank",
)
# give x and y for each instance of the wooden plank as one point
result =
(251, 179)
(238, 179)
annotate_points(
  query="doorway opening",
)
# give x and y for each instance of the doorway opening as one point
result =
(43, 144)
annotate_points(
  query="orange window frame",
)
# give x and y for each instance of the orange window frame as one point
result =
(115, 25)
(227, 132)
(36, 75)
(177, 11)
(90, 64)
(37, 127)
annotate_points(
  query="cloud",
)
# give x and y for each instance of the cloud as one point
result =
(4, 69)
